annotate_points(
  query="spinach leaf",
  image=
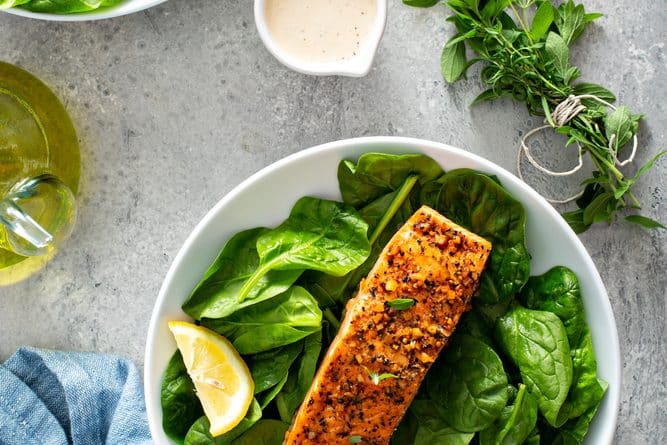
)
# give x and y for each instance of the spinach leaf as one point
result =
(536, 342)
(264, 432)
(472, 324)
(270, 367)
(267, 397)
(199, 432)
(300, 378)
(282, 320)
(469, 384)
(320, 235)
(433, 429)
(533, 440)
(407, 430)
(180, 405)
(217, 295)
(423, 425)
(574, 430)
(376, 174)
(480, 204)
(586, 390)
(516, 421)
(384, 216)
(65, 6)
(386, 189)
(558, 291)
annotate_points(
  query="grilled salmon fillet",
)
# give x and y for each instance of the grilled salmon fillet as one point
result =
(383, 349)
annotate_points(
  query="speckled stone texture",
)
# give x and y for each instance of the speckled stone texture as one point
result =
(176, 105)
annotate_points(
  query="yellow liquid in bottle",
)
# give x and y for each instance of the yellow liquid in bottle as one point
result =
(36, 137)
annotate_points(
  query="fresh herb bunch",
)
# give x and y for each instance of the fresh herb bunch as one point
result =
(529, 60)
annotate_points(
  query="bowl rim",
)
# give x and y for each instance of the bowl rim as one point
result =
(107, 13)
(357, 67)
(411, 144)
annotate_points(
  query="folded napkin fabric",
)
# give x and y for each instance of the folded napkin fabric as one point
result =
(71, 398)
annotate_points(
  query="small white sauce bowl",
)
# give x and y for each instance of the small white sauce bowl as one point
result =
(358, 66)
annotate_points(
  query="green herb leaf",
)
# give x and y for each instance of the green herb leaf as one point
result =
(558, 53)
(460, 38)
(401, 304)
(597, 210)
(572, 20)
(485, 96)
(647, 166)
(493, 8)
(356, 439)
(530, 61)
(593, 90)
(575, 220)
(453, 62)
(544, 17)
(376, 378)
(645, 222)
(619, 125)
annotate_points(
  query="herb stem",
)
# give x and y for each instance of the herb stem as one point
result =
(518, 17)
(634, 200)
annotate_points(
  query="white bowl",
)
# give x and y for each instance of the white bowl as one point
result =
(127, 7)
(359, 66)
(266, 198)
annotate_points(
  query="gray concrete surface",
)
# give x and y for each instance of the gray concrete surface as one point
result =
(176, 105)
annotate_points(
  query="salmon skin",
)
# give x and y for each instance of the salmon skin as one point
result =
(373, 368)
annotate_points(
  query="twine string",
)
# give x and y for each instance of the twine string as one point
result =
(562, 115)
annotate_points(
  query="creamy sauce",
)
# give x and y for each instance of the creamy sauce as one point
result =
(321, 30)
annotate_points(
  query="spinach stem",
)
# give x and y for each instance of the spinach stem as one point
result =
(331, 318)
(396, 204)
(251, 282)
(518, 401)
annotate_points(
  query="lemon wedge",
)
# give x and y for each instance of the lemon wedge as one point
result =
(222, 380)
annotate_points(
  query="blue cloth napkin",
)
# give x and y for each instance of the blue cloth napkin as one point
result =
(58, 398)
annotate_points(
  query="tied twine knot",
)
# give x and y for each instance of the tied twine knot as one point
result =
(562, 115)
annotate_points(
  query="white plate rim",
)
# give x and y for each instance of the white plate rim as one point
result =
(611, 403)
